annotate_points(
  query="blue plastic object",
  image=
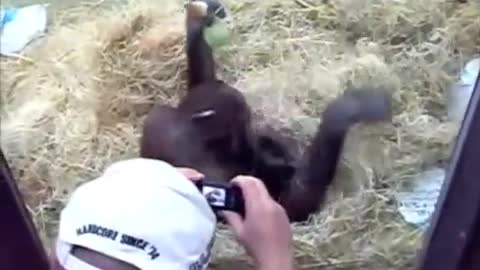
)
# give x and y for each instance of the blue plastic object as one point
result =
(7, 15)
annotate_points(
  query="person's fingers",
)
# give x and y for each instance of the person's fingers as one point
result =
(254, 186)
(235, 221)
(256, 196)
(191, 174)
(250, 192)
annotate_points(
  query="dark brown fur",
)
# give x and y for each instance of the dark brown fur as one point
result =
(217, 144)
(316, 171)
(223, 145)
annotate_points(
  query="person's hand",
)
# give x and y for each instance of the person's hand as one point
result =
(191, 174)
(265, 232)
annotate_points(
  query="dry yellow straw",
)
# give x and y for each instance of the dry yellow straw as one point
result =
(78, 103)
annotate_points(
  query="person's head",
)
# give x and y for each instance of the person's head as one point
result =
(140, 214)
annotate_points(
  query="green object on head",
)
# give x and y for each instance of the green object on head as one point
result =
(217, 34)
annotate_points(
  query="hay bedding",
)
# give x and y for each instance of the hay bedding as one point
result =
(75, 103)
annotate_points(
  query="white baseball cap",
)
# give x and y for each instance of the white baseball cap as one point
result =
(143, 212)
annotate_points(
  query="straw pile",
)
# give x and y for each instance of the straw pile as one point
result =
(75, 103)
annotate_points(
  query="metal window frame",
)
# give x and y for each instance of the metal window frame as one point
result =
(453, 240)
(20, 246)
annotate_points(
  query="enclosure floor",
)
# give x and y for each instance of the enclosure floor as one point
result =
(54, 4)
